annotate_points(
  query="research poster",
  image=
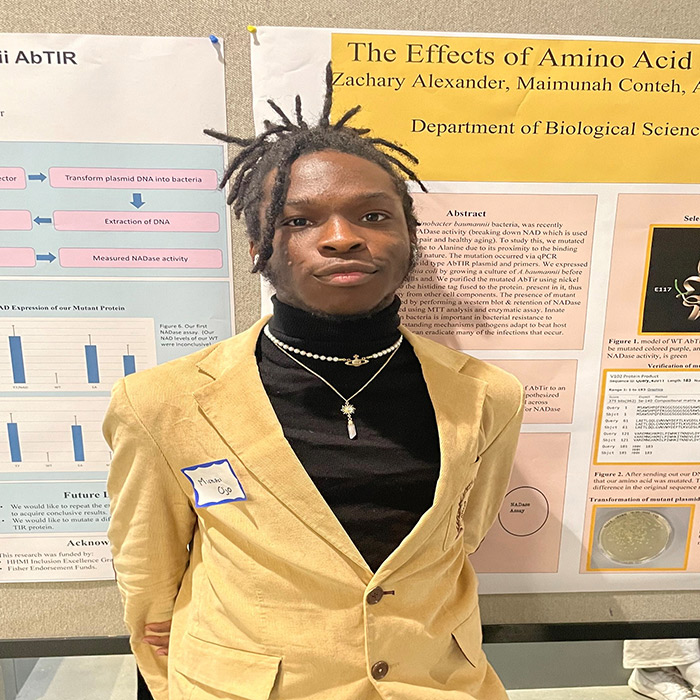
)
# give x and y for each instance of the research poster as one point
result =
(560, 240)
(114, 257)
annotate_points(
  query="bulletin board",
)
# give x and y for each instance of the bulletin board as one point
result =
(91, 610)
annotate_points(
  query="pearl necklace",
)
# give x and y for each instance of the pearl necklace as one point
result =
(355, 361)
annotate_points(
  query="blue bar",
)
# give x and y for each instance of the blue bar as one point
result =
(18, 376)
(129, 364)
(78, 447)
(13, 434)
(93, 371)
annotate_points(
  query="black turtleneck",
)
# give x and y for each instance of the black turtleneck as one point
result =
(379, 484)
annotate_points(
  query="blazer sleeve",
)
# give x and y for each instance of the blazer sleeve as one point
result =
(493, 476)
(150, 528)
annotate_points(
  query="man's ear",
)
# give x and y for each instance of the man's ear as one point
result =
(255, 256)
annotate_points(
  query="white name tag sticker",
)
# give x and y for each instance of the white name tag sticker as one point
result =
(214, 483)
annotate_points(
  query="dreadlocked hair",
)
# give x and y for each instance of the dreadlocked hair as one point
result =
(280, 144)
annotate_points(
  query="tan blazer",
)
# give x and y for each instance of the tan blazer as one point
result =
(269, 596)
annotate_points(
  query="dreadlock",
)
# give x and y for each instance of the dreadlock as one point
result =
(279, 145)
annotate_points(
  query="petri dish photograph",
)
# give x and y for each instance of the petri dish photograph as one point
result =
(635, 536)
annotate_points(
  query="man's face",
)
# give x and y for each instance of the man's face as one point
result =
(341, 244)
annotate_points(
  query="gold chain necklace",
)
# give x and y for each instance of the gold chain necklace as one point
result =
(354, 361)
(347, 408)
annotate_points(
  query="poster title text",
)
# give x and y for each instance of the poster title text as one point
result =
(434, 53)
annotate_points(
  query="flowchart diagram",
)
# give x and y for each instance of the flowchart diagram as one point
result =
(86, 219)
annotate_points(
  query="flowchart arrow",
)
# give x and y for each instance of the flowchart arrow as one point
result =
(42, 220)
(137, 201)
(50, 257)
(41, 177)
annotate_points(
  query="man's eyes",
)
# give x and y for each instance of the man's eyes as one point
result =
(374, 217)
(296, 222)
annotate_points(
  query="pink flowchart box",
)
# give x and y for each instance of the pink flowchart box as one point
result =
(17, 257)
(15, 220)
(173, 221)
(12, 179)
(141, 258)
(134, 178)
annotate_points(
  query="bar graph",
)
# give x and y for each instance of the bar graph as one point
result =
(78, 445)
(13, 438)
(69, 354)
(93, 367)
(46, 434)
(129, 363)
(17, 359)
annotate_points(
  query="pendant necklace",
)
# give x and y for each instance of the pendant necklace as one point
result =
(347, 409)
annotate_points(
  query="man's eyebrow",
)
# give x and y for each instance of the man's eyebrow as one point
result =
(361, 197)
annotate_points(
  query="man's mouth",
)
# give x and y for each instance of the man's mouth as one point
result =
(340, 275)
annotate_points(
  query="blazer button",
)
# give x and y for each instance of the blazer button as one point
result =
(375, 595)
(379, 670)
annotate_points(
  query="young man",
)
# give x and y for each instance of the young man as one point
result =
(301, 499)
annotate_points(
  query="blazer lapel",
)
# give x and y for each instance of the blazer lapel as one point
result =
(458, 401)
(236, 404)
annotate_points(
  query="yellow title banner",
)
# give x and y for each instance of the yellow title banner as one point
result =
(527, 110)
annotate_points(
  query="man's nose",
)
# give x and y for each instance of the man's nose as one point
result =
(339, 235)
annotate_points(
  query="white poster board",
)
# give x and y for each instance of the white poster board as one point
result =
(114, 256)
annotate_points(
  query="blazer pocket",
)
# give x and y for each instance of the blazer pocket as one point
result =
(244, 674)
(468, 637)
